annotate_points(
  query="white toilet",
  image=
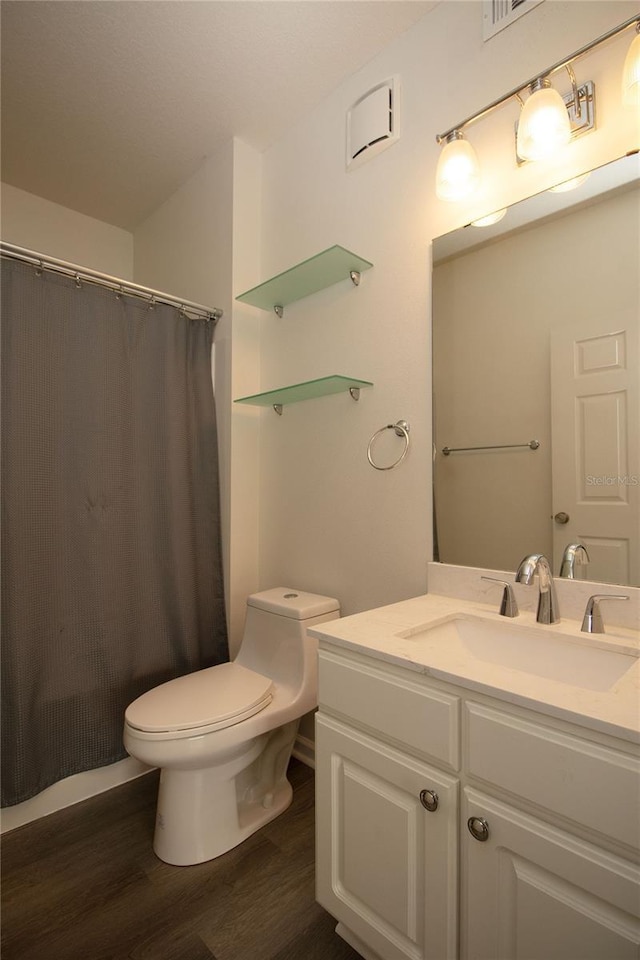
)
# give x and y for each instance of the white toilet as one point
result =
(223, 736)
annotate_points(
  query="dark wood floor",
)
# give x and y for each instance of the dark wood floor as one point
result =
(84, 884)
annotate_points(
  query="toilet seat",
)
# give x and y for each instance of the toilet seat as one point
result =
(200, 702)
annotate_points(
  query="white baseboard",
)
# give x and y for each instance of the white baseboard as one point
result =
(305, 750)
(71, 790)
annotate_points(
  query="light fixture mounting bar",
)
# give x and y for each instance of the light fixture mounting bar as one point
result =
(441, 137)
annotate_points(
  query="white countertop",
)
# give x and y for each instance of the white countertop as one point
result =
(385, 634)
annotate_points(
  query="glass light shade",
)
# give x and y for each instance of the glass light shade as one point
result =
(458, 171)
(568, 185)
(490, 219)
(544, 125)
(631, 74)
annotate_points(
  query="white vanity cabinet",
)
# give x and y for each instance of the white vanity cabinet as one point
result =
(386, 818)
(552, 871)
(549, 866)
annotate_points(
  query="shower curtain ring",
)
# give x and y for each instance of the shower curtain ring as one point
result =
(77, 278)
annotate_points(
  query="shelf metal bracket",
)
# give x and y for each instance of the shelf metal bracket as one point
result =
(353, 391)
(278, 310)
(355, 277)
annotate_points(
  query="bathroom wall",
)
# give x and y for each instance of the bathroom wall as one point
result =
(304, 508)
(328, 521)
(506, 316)
(37, 224)
(326, 518)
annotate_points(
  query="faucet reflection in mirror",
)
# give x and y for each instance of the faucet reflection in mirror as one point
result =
(575, 554)
(548, 121)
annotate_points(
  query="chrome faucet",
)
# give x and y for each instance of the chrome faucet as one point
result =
(548, 611)
(574, 553)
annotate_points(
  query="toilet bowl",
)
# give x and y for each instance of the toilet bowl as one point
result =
(222, 737)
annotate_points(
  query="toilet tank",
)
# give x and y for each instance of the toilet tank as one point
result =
(275, 642)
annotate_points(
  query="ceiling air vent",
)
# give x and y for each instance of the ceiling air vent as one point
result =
(498, 14)
(373, 122)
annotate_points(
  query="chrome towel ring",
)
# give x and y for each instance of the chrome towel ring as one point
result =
(402, 430)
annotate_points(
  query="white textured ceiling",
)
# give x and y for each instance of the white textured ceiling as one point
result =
(109, 105)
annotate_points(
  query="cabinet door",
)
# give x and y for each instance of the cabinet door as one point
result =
(533, 892)
(386, 866)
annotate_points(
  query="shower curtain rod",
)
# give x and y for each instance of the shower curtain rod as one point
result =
(40, 261)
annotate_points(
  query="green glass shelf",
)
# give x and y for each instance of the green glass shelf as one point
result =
(305, 278)
(309, 390)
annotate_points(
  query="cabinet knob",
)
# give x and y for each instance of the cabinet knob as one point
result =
(429, 800)
(561, 517)
(478, 828)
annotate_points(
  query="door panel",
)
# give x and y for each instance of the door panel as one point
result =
(386, 867)
(595, 412)
(533, 892)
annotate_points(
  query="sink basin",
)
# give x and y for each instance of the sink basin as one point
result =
(587, 664)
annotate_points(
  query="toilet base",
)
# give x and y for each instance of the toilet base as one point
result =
(193, 843)
(200, 816)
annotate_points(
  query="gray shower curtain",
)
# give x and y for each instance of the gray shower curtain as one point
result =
(111, 567)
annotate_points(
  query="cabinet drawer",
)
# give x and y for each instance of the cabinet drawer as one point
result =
(590, 784)
(420, 718)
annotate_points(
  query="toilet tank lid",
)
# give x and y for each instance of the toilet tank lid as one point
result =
(288, 602)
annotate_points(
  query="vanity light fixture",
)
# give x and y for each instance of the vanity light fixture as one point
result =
(458, 171)
(547, 120)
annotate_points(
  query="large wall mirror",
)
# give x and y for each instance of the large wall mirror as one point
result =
(536, 367)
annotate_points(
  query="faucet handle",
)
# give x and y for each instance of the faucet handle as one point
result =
(592, 621)
(508, 606)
